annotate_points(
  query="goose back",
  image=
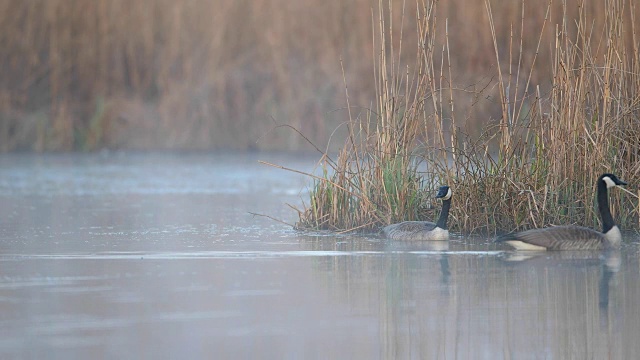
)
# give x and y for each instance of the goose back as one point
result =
(560, 238)
(415, 230)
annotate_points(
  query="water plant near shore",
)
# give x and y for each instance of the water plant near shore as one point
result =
(532, 167)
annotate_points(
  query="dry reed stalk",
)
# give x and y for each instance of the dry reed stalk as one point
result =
(376, 171)
(208, 73)
(549, 148)
(577, 148)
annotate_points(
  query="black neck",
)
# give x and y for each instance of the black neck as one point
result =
(603, 207)
(444, 214)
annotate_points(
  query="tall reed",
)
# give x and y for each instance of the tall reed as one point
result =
(208, 74)
(535, 165)
(375, 179)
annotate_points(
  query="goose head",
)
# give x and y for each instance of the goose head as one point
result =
(611, 180)
(444, 193)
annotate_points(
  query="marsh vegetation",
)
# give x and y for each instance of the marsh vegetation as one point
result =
(535, 164)
(211, 74)
(518, 106)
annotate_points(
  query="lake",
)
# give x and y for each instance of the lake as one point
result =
(131, 256)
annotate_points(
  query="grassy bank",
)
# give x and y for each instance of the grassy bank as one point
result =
(206, 74)
(563, 118)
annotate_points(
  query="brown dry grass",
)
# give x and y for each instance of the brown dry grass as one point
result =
(202, 74)
(535, 165)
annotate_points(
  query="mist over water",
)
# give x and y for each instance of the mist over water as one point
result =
(156, 256)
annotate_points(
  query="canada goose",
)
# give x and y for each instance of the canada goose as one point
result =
(424, 230)
(574, 237)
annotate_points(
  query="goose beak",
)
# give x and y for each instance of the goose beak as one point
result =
(620, 182)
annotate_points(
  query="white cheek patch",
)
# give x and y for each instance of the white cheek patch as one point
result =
(448, 196)
(607, 180)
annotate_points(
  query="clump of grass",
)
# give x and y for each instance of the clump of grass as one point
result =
(534, 166)
(376, 179)
(551, 148)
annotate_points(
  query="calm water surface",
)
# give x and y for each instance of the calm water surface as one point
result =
(157, 256)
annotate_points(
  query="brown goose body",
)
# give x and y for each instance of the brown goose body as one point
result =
(574, 237)
(564, 238)
(415, 230)
(423, 230)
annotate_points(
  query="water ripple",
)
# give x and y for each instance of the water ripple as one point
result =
(230, 255)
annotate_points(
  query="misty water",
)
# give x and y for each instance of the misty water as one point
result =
(157, 256)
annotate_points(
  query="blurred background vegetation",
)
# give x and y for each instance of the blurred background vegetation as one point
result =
(220, 74)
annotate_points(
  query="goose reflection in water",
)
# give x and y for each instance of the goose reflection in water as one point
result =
(609, 262)
(438, 248)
